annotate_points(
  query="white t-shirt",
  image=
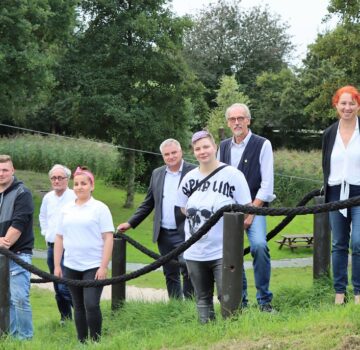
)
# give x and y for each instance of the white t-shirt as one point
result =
(228, 186)
(82, 228)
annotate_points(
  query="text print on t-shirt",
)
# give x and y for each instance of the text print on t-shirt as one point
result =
(222, 187)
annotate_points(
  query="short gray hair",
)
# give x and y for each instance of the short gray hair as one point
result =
(168, 142)
(66, 170)
(242, 105)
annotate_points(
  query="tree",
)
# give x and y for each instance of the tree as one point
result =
(225, 40)
(131, 84)
(210, 46)
(264, 46)
(348, 10)
(227, 94)
(332, 61)
(32, 40)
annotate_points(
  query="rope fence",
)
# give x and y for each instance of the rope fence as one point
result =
(161, 260)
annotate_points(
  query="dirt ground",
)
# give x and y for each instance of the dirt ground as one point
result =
(132, 293)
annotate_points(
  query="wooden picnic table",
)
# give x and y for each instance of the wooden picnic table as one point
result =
(303, 240)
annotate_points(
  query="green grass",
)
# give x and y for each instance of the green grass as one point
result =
(307, 319)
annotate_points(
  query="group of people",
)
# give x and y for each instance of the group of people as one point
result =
(79, 229)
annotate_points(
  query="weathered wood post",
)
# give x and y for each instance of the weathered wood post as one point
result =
(4, 295)
(233, 258)
(322, 242)
(118, 290)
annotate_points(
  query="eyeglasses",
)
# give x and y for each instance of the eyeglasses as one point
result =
(236, 119)
(59, 178)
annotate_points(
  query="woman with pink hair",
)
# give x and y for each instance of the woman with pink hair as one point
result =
(85, 232)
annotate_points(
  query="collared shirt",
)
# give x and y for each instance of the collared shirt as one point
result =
(50, 212)
(266, 159)
(345, 163)
(82, 227)
(171, 184)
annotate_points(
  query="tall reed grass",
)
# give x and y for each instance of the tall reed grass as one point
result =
(40, 153)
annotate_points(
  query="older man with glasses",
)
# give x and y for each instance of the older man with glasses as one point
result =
(50, 209)
(253, 155)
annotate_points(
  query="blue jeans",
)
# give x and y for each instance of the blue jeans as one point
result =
(261, 261)
(203, 274)
(21, 326)
(62, 294)
(168, 240)
(345, 233)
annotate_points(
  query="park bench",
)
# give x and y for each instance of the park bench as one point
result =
(292, 241)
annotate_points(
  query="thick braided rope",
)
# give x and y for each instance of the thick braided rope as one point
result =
(269, 236)
(202, 231)
(144, 249)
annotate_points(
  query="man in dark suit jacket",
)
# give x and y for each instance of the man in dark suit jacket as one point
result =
(168, 227)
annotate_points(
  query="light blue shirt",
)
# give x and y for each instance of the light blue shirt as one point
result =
(171, 184)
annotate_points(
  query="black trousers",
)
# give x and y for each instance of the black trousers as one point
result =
(86, 302)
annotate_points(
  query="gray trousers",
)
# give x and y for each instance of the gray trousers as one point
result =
(203, 274)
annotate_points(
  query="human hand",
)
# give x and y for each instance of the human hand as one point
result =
(58, 271)
(248, 221)
(4, 242)
(101, 273)
(123, 227)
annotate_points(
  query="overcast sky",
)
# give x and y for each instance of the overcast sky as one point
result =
(303, 16)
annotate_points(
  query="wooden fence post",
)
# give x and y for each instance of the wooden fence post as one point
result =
(118, 290)
(322, 242)
(4, 295)
(233, 258)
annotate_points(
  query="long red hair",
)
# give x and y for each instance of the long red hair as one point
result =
(346, 89)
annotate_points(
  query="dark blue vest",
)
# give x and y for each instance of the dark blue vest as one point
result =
(249, 163)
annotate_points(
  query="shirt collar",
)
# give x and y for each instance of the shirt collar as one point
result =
(243, 142)
(179, 171)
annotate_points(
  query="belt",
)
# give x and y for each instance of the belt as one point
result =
(168, 229)
(51, 245)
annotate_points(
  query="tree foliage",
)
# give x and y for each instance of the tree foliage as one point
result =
(125, 79)
(226, 39)
(227, 94)
(332, 61)
(32, 37)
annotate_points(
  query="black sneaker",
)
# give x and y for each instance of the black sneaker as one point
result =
(267, 308)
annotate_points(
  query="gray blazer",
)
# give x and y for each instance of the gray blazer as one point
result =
(153, 200)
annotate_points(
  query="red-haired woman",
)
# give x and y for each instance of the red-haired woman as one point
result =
(341, 167)
(86, 233)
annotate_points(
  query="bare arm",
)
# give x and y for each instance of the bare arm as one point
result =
(106, 256)
(58, 253)
(12, 235)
